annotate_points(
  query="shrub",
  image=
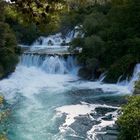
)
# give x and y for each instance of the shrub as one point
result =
(129, 121)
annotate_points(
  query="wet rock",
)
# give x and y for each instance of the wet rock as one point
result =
(103, 110)
(50, 43)
(108, 133)
(64, 43)
(83, 124)
(108, 117)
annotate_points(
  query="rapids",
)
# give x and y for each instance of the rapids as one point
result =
(50, 102)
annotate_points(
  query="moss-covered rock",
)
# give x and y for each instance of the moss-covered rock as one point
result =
(3, 137)
(1, 100)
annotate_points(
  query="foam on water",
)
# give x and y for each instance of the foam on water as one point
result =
(97, 129)
(51, 64)
(73, 111)
(35, 75)
(48, 75)
(55, 41)
(118, 89)
(30, 80)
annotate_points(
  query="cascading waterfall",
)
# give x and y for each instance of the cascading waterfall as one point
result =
(130, 83)
(52, 103)
(51, 64)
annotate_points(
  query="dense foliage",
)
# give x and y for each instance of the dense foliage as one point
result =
(38, 10)
(111, 37)
(30, 19)
(129, 121)
(8, 45)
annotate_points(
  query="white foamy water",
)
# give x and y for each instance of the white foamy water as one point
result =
(118, 89)
(135, 77)
(73, 111)
(29, 80)
(97, 129)
(130, 83)
(45, 83)
(51, 64)
(47, 89)
(56, 41)
(52, 42)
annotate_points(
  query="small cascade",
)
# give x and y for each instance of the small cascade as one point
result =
(122, 82)
(56, 41)
(135, 77)
(102, 77)
(50, 64)
(52, 41)
(51, 54)
(130, 83)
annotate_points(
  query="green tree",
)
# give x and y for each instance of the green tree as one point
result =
(8, 57)
(112, 36)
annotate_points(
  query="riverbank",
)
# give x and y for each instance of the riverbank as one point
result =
(4, 114)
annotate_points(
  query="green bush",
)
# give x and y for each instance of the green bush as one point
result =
(129, 121)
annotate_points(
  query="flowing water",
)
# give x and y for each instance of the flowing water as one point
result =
(50, 102)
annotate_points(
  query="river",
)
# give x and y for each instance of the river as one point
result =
(50, 102)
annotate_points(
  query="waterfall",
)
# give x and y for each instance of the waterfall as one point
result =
(50, 64)
(51, 54)
(52, 102)
(130, 83)
(135, 77)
